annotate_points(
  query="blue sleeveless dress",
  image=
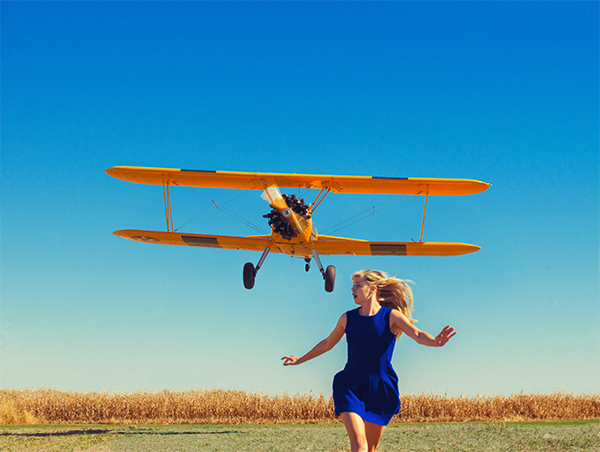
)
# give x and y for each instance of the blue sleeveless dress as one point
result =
(368, 385)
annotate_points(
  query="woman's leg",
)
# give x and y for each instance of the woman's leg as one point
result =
(364, 436)
(374, 433)
(355, 427)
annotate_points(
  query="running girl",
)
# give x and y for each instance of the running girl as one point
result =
(365, 392)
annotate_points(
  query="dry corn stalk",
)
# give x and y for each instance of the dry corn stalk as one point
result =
(236, 407)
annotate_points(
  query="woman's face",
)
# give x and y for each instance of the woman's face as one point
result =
(360, 290)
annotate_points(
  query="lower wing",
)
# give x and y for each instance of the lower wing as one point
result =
(340, 245)
(324, 245)
(258, 243)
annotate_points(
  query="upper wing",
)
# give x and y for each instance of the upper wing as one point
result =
(338, 245)
(260, 181)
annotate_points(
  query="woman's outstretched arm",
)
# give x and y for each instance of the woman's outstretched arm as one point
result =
(324, 346)
(399, 321)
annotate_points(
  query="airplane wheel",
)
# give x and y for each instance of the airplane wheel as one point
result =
(329, 278)
(307, 267)
(249, 275)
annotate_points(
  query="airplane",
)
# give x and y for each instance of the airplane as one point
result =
(292, 230)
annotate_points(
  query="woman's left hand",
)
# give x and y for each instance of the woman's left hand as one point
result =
(444, 336)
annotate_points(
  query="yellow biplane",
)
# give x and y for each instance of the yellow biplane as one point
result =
(292, 230)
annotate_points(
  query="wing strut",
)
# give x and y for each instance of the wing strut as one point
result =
(168, 211)
(424, 210)
(263, 257)
(313, 207)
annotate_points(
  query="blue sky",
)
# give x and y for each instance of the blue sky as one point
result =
(503, 92)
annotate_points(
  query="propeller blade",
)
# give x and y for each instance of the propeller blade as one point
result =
(273, 196)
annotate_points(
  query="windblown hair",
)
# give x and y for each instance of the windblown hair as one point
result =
(393, 293)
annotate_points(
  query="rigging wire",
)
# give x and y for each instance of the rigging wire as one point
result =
(220, 207)
(362, 215)
(366, 213)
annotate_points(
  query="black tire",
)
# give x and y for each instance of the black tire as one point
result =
(329, 278)
(249, 275)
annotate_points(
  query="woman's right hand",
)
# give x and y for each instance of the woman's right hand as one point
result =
(324, 346)
(290, 360)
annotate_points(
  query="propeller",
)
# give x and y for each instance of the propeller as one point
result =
(292, 226)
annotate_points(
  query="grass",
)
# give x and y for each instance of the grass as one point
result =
(531, 436)
(217, 420)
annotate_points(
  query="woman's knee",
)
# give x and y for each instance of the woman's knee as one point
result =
(359, 444)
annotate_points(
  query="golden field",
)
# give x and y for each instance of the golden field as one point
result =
(50, 406)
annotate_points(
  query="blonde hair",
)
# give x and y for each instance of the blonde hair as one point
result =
(392, 292)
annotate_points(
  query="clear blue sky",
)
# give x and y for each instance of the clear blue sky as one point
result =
(504, 92)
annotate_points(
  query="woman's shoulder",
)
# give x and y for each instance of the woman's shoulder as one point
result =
(394, 312)
(386, 311)
(349, 315)
(352, 312)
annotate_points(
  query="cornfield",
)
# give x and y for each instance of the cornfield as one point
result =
(49, 406)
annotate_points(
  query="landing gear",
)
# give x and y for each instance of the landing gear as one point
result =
(328, 275)
(329, 278)
(307, 266)
(249, 275)
(250, 271)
